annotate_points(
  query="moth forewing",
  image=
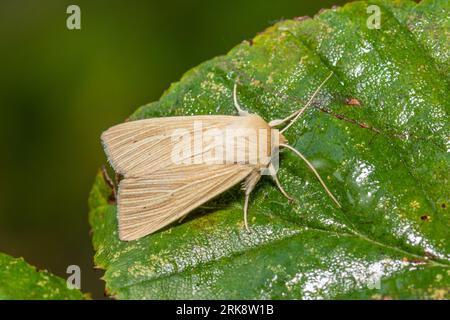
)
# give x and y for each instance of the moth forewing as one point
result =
(143, 146)
(158, 188)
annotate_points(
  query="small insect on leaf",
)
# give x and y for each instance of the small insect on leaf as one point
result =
(170, 166)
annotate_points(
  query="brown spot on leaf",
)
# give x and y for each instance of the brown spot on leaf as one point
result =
(406, 259)
(425, 217)
(352, 102)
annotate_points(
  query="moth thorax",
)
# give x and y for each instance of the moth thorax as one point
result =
(250, 140)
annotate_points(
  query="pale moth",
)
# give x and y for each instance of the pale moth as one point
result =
(172, 165)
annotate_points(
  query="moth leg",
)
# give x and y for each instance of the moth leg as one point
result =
(247, 197)
(110, 183)
(182, 218)
(249, 185)
(275, 178)
(241, 111)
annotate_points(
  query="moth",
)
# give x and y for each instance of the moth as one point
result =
(172, 165)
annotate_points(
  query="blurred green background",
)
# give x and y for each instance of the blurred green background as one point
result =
(60, 88)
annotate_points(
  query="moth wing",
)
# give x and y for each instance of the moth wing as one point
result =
(141, 147)
(149, 203)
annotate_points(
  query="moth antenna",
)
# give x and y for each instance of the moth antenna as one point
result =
(298, 113)
(241, 111)
(313, 170)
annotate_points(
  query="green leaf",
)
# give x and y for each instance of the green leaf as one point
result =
(386, 160)
(20, 281)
